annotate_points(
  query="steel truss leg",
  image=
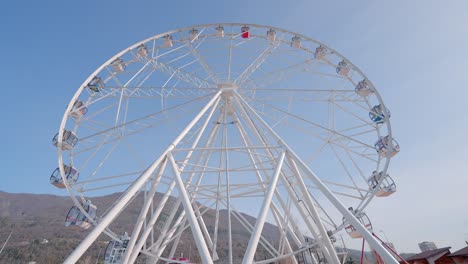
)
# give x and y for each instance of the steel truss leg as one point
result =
(149, 226)
(253, 242)
(298, 240)
(276, 213)
(208, 144)
(291, 192)
(197, 233)
(388, 258)
(133, 189)
(144, 212)
(333, 258)
(309, 222)
(173, 211)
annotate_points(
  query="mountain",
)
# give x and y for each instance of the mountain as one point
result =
(34, 219)
(36, 222)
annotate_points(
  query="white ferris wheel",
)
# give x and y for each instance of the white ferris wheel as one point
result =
(215, 127)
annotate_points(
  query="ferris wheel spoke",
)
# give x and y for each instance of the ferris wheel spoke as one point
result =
(368, 156)
(182, 225)
(327, 139)
(93, 180)
(256, 158)
(357, 127)
(148, 117)
(249, 228)
(230, 57)
(277, 75)
(296, 95)
(202, 61)
(362, 103)
(246, 140)
(324, 213)
(107, 155)
(359, 133)
(297, 89)
(158, 243)
(84, 190)
(257, 62)
(185, 76)
(345, 169)
(315, 124)
(356, 166)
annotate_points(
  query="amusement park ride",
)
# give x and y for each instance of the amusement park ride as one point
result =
(224, 120)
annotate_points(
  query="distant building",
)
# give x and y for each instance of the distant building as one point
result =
(435, 256)
(427, 245)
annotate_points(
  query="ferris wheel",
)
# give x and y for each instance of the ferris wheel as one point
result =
(232, 127)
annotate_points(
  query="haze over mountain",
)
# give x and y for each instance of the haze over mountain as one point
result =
(36, 222)
(36, 218)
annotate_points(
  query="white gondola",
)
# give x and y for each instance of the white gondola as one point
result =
(118, 65)
(142, 50)
(343, 68)
(386, 188)
(69, 140)
(296, 42)
(383, 147)
(75, 218)
(193, 35)
(70, 173)
(96, 84)
(362, 217)
(220, 32)
(363, 88)
(168, 43)
(378, 113)
(78, 110)
(245, 32)
(271, 35)
(116, 249)
(320, 52)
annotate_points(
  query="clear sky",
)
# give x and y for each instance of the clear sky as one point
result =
(415, 52)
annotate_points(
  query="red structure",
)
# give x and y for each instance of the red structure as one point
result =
(460, 256)
(435, 256)
(245, 32)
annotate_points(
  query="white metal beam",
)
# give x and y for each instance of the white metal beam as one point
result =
(132, 190)
(388, 258)
(197, 233)
(253, 242)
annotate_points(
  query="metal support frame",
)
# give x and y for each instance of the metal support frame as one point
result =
(253, 242)
(179, 233)
(132, 190)
(142, 217)
(155, 215)
(388, 258)
(332, 258)
(150, 178)
(276, 213)
(198, 235)
(194, 217)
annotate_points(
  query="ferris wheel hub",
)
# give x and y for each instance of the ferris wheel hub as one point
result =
(227, 86)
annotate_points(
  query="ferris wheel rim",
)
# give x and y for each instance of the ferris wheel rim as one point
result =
(66, 116)
(210, 25)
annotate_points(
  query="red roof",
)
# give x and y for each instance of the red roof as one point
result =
(461, 252)
(429, 253)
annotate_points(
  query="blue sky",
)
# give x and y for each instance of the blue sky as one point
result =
(415, 52)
